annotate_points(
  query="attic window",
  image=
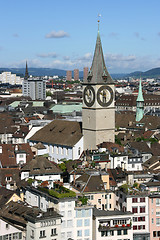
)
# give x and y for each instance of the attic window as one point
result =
(48, 168)
(61, 130)
(51, 129)
(36, 169)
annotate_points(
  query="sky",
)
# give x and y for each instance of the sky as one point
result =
(62, 34)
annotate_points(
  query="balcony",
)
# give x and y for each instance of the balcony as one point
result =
(103, 227)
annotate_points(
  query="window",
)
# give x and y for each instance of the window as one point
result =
(157, 201)
(134, 227)
(86, 232)
(42, 234)
(154, 234)
(157, 221)
(7, 226)
(32, 234)
(134, 200)
(79, 223)
(134, 210)
(119, 232)
(152, 200)
(69, 213)
(79, 151)
(53, 231)
(142, 209)
(141, 227)
(69, 234)
(86, 222)
(152, 220)
(66, 151)
(142, 199)
(135, 219)
(78, 213)
(92, 197)
(69, 223)
(125, 232)
(99, 201)
(79, 233)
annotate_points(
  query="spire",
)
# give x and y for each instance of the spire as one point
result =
(140, 104)
(140, 95)
(26, 73)
(98, 72)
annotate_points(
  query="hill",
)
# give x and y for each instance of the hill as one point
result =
(152, 73)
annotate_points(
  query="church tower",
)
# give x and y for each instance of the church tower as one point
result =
(26, 72)
(140, 104)
(98, 111)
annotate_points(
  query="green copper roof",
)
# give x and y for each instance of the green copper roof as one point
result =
(38, 104)
(98, 72)
(66, 108)
(140, 95)
(14, 104)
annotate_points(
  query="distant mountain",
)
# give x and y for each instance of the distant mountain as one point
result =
(155, 72)
(152, 73)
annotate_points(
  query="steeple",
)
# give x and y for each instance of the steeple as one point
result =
(26, 72)
(140, 103)
(98, 72)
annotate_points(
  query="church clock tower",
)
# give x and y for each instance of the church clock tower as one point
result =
(98, 111)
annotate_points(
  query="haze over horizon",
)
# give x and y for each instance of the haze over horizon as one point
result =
(62, 34)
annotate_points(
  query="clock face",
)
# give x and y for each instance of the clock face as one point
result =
(105, 96)
(89, 96)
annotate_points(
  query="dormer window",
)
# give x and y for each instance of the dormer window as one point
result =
(89, 76)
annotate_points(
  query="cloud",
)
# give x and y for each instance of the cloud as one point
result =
(47, 55)
(137, 35)
(66, 57)
(15, 35)
(59, 34)
(86, 57)
(113, 35)
(119, 57)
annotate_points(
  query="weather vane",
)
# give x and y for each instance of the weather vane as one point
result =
(99, 15)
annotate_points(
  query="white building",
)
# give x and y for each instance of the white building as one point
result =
(109, 225)
(62, 140)
(34, 88)
(84, 223)
(8, 77)
(9, 231)
(65, 206)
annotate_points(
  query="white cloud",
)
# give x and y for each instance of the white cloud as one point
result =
(47, 55)
(59, 34)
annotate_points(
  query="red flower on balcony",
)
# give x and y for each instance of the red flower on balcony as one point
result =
(123, 225)
(116, 225)
(128, 225)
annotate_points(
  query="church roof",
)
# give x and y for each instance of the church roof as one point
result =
(98, 72)
(140, 95)
(59, 132)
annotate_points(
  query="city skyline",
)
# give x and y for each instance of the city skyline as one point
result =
(62, 34)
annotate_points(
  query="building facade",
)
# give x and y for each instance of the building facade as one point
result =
(34, 88)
